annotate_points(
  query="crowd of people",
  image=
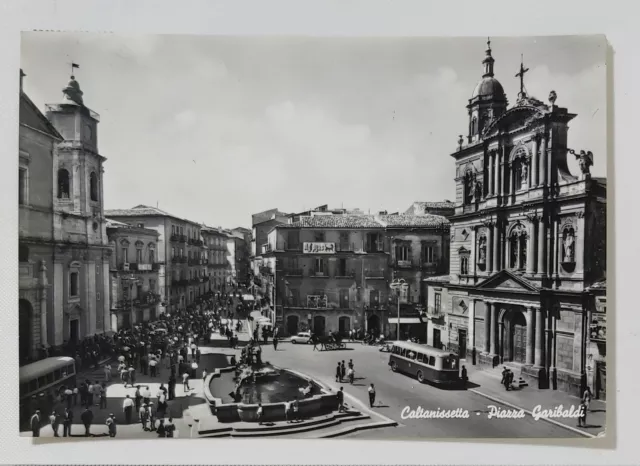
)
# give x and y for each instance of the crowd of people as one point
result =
(167, 349)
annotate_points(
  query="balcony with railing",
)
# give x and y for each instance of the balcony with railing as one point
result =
(175, 238)
(195, 261)
(182, 238)
(141, 267)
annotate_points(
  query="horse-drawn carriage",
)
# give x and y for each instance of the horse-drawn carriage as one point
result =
(331, 342)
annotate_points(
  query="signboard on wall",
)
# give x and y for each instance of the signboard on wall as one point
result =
(319, 248)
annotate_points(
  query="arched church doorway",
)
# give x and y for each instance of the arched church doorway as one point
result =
(292, 324)
(373, 325)
(514, 339)
(318, 325)
(25, 322)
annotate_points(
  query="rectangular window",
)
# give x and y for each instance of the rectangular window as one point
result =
(344, 298)
(320, 266)
(344, 241)
(403, 253)
(432, 361)
(152, 256)
(139, 256)
(374, 297)
(125, 255)
(294, 300)
(437, 298)
(173, 229)
(22, 186)
(342, 268)
(420, 357)
(464, 265)
(73, 284)
(374, 242)
(427, 255)
(319, 236)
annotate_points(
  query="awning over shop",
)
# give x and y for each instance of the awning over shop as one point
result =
(404, 320)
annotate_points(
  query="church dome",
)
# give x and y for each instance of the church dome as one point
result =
(488, 87)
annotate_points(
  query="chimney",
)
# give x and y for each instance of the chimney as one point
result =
(22, 75)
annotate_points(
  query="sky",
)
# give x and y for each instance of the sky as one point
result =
(214, 129)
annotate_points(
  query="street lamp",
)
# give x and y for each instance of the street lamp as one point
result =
(399, 285)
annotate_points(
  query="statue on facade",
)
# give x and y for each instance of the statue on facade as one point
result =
(482, 256)
(553, 97)
(585, 160)
(569, 244)
(525, 173)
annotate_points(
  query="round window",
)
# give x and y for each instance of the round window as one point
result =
(95, 226)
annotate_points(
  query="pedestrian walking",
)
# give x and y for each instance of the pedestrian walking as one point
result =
(338, 373)
(463, 376)
(275, 343)
(582, 419)
(127, 408)
(259, 414)
(143, 416)
(146, 395)
(103, 396)
(152, 417)
(75, 396)
(372, 395)
(351, 375)
(35, 423)
(54, 422)
(350, 363)
(138, 398)
(340, 396)
(87, 419)
(68, 397)
(314, 340)
(185, 382)
(132, 375)
(67, 421)
(586, 397)
(107, 372)
(111, 425)
(343, 371)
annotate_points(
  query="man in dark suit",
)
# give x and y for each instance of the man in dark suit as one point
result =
(87, 419)
(66, 423)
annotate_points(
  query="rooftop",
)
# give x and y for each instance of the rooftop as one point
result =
(335, 221)
(142, 211)
(424, 221)
(436, 205)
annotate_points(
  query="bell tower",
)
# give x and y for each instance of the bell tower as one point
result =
(488, 100)
(78, 168)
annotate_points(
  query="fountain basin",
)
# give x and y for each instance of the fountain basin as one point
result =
(272, 391)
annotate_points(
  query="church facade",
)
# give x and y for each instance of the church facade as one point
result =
(527, 242)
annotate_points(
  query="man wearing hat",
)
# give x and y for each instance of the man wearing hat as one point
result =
(152, 417)
(127, 407)
(144, 416)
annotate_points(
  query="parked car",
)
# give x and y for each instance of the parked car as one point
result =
(302, 337)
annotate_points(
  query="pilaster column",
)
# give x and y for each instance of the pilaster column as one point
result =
(543, 160)
(534, 163)
(530, 244)
(539, 344)
(495, 236)
(530, 338)
(496, 170)
(474, 251)
(44, 340)
(471, 335)
(518, 252)
(499, 172)
(542, 246)
(556, 251)
(494, 330)
(488, 306)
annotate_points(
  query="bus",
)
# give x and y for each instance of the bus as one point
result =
(41, 383)
(426, 363)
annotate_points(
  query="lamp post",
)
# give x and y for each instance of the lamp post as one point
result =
(399, 285)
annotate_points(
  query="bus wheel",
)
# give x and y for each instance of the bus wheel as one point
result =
(420, 377)
(394, 366)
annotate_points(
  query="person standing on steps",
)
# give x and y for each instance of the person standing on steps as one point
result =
(340, 396)
(372, 395)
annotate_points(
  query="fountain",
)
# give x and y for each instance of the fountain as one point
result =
(235, 392)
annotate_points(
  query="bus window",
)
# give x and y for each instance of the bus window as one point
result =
(42, 382)
(396, 350)
(33, 386)
(57, 375)
(411, 355)
(432, 361)
(420, 357)
(50, 378)
(450, 363)
(71, 369)
(403, 352)
(24, 389)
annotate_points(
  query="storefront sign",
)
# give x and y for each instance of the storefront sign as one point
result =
(319, 248)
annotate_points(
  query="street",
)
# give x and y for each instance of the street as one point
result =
(397, 391)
